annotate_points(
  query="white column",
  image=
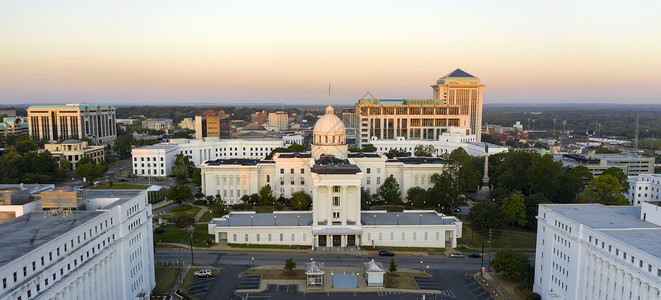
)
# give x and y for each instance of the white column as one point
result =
(611, 281)
(343, 204)
(315, 206)
(627, 286)
(644, 291)
(635, 288)
(597, 282)
(654, 293)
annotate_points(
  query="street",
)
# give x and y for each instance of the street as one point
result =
(449, 274)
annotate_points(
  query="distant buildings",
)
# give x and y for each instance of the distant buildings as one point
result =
(214, 124)
(14, 125)
(350, 118)
(7, 112)
(259, 117)
(163, 124)
(592, 251)
(100, 250)
(278, 120)
(187, 123)
(74, 150)
(60, 122)
(630, 164)
(457, 102)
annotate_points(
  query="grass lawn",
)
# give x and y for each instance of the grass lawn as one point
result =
(162, 206)
(412, 249)
(174, 234)
(508, 237)
(511, 286)
(123, 186)
(402, 280)
(206, 217)
(277, 274)
(165, 279)
(188, 280)
(264, 209)
(184, 210)
(262, 246)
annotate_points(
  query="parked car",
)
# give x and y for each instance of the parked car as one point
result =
(203, 273)
(386, 253)
(123, 180)
(457, 255)
(474, 255)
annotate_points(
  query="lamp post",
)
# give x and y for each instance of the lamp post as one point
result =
(251, 220)
(421, 269)
(252, 263)
(397, 219)
(420, 219)
(358, 281)
(331, 279)
(191, 250)
(298, 220)
(275, 220)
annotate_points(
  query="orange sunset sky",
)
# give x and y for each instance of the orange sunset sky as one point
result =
(179, 52)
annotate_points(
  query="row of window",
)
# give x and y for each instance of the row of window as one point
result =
(269, 237)
(632, 259)
(413, 236)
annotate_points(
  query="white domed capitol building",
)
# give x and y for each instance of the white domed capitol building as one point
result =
(333, 176)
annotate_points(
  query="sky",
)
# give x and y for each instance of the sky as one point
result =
(221, 52)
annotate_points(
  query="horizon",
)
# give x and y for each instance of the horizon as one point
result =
(223, 52)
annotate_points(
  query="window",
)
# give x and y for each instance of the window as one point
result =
(369, 170)
(282, 171)
(378, 180)
(368, 180)
(336, 201)
(291, 171)
(302, 171)
(336, 215)
(336, 189)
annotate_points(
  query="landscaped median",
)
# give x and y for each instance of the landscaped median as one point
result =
(177, 225)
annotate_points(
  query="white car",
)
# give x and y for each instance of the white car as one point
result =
(203, 273)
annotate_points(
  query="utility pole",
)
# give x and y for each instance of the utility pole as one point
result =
(191, 250)
(482, 259)
(490, 232)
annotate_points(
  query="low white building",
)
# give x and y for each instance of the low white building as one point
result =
(445, 144)
(644, 187)
(103, 252)
(290, 139)
(158, 160)
(334, 178)
(592, 251)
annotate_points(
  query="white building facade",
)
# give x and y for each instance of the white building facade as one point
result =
(644, 187)
(446, 143)
(158, 160)
(592, 251)
(333, 178)
(100, 253)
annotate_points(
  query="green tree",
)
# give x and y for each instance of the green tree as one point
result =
(445, 191)
(510, 262)
(368, 148)
(397, 153)
(393, 265)
(417, 196)
(266, 197)
(179, 193)
(532, 206)
(365, 199)
(301, 200)
(424, 150)
(90, 171)
(602, 149)
(514, 208)
(183, 168)
(289, 264)
(468, 172)
(184, 221)
(620, 176)
(604, 189)
(123, 145)
(197, 176)
(390, 191)
(486, 215)
(217, 207)
(543, 175)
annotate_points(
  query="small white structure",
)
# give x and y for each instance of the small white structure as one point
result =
(644, 187)
(374, 272)
(314, 273)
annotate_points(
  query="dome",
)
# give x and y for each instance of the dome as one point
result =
(254, 126)
(329, 124)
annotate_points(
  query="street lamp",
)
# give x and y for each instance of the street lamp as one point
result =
(252, 263)
(251, 222)
(420, 219)
(275, 220)
(191, 250)
(331, 279)
(421, 269)
(397, 219)
(298, 220)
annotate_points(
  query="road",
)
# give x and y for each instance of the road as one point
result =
(449, 273)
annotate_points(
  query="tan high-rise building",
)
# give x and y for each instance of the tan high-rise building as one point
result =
(60, 122)
(465, 90)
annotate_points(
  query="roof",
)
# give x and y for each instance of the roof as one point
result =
(303, 218)
(71, 141)
(24, 234)
(314, 267)
(337, 229)
(78, 106)
(458, 73)
(237, 161)
(405, 218)
(419, 160)
(295, 155)
(373, 266)
(621, 223)
(332, 165)
(329, 124)
(159, 119)
(363, 155)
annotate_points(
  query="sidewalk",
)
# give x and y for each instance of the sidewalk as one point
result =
(491, 286)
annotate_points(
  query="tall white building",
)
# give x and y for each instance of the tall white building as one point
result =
(103, 252)
(61, 122)
(278, 120)
(592, 251)
(158, 160)
(644, 187)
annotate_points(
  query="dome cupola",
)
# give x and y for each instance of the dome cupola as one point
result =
(329, 136)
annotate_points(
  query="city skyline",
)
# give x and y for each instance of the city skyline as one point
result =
(152, 53)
